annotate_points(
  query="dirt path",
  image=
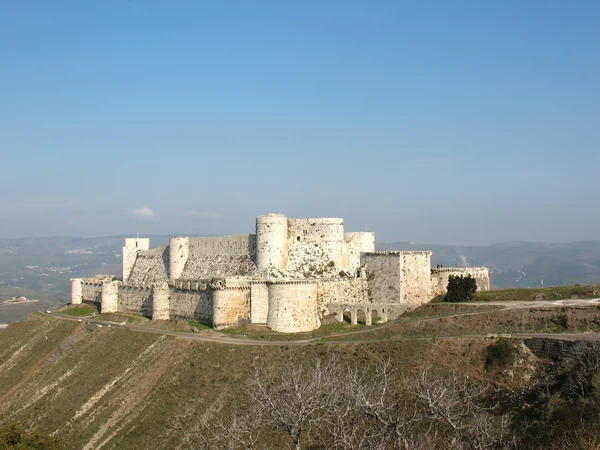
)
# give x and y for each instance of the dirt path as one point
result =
(215, 337)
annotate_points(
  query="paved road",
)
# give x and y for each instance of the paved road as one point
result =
(216, 337)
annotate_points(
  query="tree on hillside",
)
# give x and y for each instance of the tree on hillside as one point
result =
(460, 289)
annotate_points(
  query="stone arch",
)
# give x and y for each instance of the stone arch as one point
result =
(349, 315)
(362, 315)
(376, 315)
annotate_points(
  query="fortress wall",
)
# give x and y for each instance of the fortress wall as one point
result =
(193, 305)
(316, 259)
(351, 290)
(179, 250)
(439, 278)
(242, 245)
(130, 250)
(259, 303)
(220, 257)
(364, 240)
(293, 306)
(383, 276)
(316, 230)
(415, 281)
(136, 299)
(151, 266)
(91, 291)
(230, 306)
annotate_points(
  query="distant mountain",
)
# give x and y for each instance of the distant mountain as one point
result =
(520, 264)
(47, 264)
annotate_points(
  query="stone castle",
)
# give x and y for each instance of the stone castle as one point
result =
(288, 275)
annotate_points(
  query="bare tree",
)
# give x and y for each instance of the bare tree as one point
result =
(297, 397)
(585, 363)
(452, 408)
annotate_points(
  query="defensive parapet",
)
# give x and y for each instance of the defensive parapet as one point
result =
(132, 246)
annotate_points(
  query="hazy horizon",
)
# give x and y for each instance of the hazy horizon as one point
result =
(464, 124)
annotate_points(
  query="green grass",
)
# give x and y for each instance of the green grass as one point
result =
(534, 294)
(199, 326)
(79, 311)
(130, 319)
(323, 331)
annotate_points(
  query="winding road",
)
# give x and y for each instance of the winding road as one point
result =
(217, 337)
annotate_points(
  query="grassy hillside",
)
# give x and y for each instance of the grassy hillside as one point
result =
(100, 386)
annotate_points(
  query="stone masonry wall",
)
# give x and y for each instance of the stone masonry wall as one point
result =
(242, 245)
(351, 290)
(151, 266)
(130, 250)
(383, 275)
(259, 303)
(231, 306)
(415, 278)
(439, 278)
(91, 292)
(136, 299)
(293, 306)
(193, 305)
(220, 257)
(316, 230)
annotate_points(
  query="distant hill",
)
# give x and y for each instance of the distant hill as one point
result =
(47, 264)
(520, 264)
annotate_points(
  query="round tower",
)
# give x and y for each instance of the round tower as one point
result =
(110, 297)
(293, 306)
(179, 249)
(271, 242)
(160, 302)
(76, 291)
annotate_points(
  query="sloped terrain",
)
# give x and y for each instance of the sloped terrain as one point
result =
(100, 387)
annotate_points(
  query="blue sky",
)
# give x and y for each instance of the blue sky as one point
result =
(437, 122)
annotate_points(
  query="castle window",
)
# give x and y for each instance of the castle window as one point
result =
(298, 238)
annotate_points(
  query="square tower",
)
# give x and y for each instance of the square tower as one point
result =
(132, 247)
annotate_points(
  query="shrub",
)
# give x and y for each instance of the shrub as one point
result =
(499, 355)
(460, 289)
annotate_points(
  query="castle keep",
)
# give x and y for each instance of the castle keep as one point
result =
(288, 275)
